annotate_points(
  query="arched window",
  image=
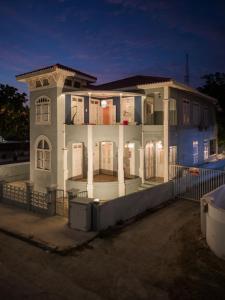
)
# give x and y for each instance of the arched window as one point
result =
(43, 154)
(43, 110)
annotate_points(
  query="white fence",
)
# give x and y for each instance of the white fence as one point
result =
(192, 183)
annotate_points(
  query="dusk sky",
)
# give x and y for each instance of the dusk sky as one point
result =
(112, 38)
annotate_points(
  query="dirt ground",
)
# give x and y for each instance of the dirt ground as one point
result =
(161, 256)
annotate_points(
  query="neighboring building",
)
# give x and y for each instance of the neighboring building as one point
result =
(110, 139)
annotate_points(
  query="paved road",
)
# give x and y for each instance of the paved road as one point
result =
(158, 257)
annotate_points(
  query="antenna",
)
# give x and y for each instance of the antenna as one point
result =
(187, 76)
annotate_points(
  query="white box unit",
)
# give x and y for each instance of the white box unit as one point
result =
(80, 214)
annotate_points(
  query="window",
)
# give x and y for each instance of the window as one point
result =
(212, 147)
(43, 109)
(173, 112)
(45, 82)
(77, 110)
(38, 84)
(173, 155)
(196, 114)
(195, 152)
(206, 150)
(186, 112)
(206, 116)
(76, 84)
(43, 154)
(127, 109)
(68, 82)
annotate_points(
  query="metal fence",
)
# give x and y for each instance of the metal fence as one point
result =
(62, 201)
(192, 183)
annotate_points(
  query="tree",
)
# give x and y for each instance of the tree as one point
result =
(214, 86)
(14, 114)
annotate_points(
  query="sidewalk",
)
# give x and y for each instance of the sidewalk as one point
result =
(50, 233)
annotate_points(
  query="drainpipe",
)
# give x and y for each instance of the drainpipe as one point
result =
(166, 133)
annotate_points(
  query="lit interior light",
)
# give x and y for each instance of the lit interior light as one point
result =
(103, 103)
(159, 145)
(131, 145)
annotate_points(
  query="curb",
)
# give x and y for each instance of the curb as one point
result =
(44, 245)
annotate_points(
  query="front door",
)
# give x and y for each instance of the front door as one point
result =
(149, 160)
(94, 111)
(77, 160)
(129, 160)
(108, 113)
(159, 160)
(107, 158)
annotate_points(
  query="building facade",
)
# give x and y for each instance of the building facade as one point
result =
(112, 138)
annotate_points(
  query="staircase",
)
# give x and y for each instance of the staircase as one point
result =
(147, 185)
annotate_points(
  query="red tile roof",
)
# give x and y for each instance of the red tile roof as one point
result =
(60, 67)
(132, 81)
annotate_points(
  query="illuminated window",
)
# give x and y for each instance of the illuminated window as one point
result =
(43, 154)
(195, 152)
(206, 150)
(43, 110)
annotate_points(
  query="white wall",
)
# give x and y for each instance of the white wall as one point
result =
(14, 172)
(123, 208)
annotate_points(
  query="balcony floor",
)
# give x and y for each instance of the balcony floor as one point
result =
(101, 178)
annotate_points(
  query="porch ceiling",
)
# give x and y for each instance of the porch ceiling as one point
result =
(103, 94)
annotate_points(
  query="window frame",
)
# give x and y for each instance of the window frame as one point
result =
(43, 153)
(195, 146)
(196, 117)
(186, 112)
(40, 105)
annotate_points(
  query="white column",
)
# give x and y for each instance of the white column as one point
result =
(65, 154)
(141, 168)
(120, 161)
(166, 133)
(90, 162)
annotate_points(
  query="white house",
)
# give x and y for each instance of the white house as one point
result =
(111, 138)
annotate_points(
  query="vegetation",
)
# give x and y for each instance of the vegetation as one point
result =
(14, 114)
(214, 86)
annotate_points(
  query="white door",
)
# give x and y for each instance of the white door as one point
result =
(159, 160)
(149, 160)
(107, 157)
(94, 115)
(77, 110)
(129, 159)
(77, 160)
(96, 158)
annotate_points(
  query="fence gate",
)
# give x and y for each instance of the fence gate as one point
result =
(61, 203)
(192, 183)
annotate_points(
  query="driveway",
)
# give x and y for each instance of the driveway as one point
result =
(161, 256)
